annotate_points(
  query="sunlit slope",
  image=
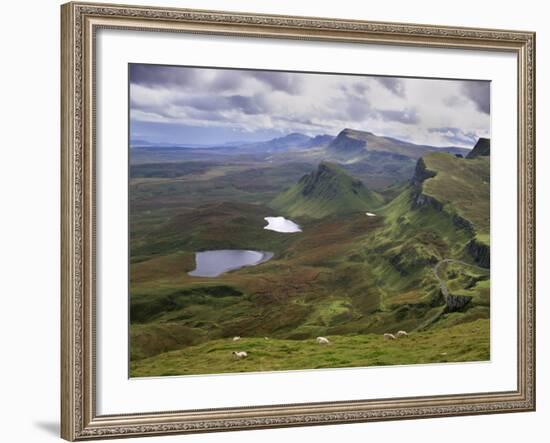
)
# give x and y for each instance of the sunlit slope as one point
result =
(465, 342)
(462, 186)
(326, 191)
(348, 276)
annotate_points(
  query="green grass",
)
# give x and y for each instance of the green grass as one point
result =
(327, 191)
(463, 185)
(346, 276)
(458, 343)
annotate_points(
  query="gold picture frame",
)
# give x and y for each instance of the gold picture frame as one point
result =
(80, 21)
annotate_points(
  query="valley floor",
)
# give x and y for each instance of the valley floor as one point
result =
(420, 262)
(459, 343)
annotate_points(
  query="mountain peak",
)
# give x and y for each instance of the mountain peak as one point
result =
(349, 142)
(355, 133)
(293, 136)
(325, 172)
(327, 190)
(481, 149)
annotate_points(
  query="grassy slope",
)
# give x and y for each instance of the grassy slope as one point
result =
(465, 342)
(463, 186)
(404, 251)
(295, 294)
(344, 275)
(326, 191)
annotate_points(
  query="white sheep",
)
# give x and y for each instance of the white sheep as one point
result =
(236, 338)
(323, 340)
(240, 354)
(388, 336)
(401, 334)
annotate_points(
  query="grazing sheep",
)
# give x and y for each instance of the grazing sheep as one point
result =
(323, 340)
(236, 338)
(401, 334)
(389, 336)
(240, 354)
(266, 338)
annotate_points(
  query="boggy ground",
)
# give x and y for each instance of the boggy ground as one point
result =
(348, 277)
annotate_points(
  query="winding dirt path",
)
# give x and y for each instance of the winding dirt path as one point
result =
(442, 284)
(444, 289)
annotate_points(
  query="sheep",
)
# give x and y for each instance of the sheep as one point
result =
(388, 336)
(239, 354)
(237, 338)
(401, 334)
(323, 340)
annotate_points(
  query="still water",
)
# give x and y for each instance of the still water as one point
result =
(281, 224)
(215, 263)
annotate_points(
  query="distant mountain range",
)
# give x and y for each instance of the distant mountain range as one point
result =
(354, 145)
(378, 161)
(349, 143)
(290, 142)
(294, 140)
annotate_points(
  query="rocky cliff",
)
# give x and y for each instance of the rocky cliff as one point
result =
(480, 252)
(481, 149)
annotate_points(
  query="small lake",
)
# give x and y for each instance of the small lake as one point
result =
(281, 224)
(215, 263)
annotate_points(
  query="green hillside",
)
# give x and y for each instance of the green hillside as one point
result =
(439, 223)
(346, 275)
(465, 342)
(462, 186)
(326, 191)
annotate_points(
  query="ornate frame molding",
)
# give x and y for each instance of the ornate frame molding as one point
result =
(79, 23)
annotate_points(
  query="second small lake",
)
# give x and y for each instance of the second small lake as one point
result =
(281, 224)
(215, 263)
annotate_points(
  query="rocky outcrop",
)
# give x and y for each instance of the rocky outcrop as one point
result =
(462, 223)
(481, 149)
(349, 142)
(421, 173)
(457, 302)
(480, 252)
(419, 199)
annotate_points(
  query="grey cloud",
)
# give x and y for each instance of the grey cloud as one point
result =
(249, 105)
(257, 100)
(357, 110)
(222, 80)
(407, 116)
(354, 89)
(395, 85)
(207, 106)
(453, 100)
(226, 80)
(183, 77)
(360, 88)
(301, 121)
(455, 135)
(163, 76)
(479, 93)
(279, 81)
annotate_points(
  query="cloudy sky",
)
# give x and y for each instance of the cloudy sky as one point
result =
(180, 105)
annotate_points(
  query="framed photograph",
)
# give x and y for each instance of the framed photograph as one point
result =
(277, 221)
